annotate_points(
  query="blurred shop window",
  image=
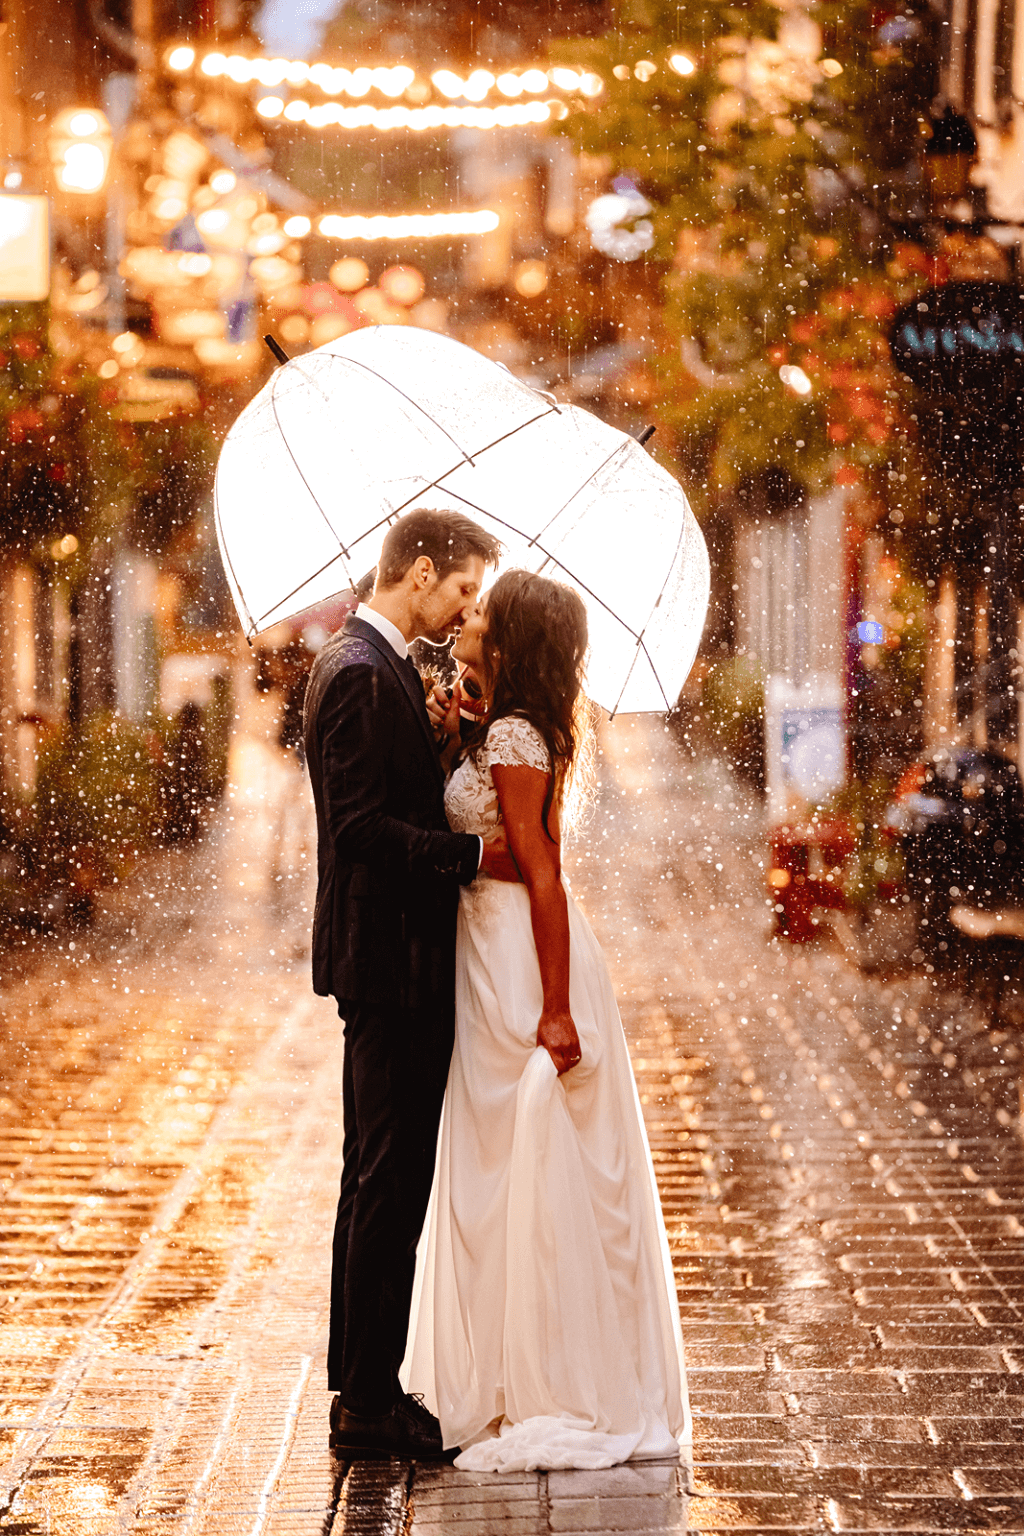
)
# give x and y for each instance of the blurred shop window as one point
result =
(24, 249)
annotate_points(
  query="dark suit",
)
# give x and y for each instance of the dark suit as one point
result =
(384, 945)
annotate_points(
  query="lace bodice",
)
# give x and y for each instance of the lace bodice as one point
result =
(471, 800)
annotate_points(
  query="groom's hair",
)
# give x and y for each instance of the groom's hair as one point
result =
(448, 538)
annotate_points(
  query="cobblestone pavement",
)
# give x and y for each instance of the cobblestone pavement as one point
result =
(837, 1157)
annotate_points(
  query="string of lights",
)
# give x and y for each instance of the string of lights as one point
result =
(394, 81)
(417, 118)
(406, 226)
(337, 226)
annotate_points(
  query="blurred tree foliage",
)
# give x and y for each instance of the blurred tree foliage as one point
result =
(781, 165)
(62, 455)
(98, 796)
(69, 463)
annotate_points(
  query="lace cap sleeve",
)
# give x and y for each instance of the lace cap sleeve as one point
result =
(515, 743)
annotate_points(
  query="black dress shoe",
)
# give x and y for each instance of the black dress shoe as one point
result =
(409, 1432)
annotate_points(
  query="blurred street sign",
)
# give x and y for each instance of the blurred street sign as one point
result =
(964, 340)
(805, 742)
(24, 249)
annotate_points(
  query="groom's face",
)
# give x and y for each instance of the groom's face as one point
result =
(446, 602)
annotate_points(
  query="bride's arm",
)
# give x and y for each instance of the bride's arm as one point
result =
(521, 794)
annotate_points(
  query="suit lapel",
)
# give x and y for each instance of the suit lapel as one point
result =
(410, 687)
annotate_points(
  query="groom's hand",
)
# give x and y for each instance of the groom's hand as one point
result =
(556, 1032)
(497, 861)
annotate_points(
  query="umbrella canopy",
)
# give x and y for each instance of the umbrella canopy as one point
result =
(345, 439)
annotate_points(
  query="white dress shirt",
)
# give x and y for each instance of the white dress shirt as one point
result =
(391, 632)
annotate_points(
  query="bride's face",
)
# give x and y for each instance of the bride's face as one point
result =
(469, 647)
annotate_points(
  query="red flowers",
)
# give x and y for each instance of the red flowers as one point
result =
(23, 421)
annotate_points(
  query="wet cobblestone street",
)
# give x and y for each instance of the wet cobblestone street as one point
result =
(838, 1159)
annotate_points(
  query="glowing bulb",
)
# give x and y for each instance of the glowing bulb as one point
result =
(181, 58)
(223, 182)
(403, 285)
(681, 64)
(84, 168)
(299, 226)
(83, 124)
(531, 279)
(645, 69)
(270, 106)
(479, 83)
(214, 221)
(831, 68)
(509, 84)
(213, 64)
(448, 83)
(349, 274)
(795, 379)
(534, 80)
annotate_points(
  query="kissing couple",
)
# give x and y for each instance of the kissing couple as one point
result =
(504, 1288)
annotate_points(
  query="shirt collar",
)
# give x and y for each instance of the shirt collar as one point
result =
(391, 632)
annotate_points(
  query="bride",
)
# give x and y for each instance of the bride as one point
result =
(545, 1330)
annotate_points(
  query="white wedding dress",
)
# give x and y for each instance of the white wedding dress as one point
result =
(545, 1330)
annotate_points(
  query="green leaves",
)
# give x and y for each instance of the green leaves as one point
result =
(766, 165)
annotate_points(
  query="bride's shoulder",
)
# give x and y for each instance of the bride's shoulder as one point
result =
(513, 742)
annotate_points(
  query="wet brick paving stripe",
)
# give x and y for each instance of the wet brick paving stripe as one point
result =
(837, 1157)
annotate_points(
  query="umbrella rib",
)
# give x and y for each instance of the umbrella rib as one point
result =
(548, 556)
(353, 363)
(227, 559)
(438, 484)
(640, 646)
(640, 643)
(397, 511)
(341, 555)
(593, 476)
(273, 403)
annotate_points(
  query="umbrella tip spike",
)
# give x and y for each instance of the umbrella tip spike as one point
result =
(642, 437)
(282, 356)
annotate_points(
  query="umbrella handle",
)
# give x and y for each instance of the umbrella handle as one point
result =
(282, 356)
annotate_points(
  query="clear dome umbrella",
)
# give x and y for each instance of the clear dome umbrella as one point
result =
(343, 440)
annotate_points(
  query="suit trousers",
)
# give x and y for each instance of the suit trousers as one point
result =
(393, 1083)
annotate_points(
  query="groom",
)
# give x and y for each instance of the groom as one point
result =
(389, 871)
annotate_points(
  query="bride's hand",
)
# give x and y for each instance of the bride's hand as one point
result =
(443, 710)
(556, 1032)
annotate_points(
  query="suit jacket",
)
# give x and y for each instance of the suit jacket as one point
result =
(388, 868)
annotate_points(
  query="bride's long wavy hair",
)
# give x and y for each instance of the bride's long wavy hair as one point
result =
(535, 648)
